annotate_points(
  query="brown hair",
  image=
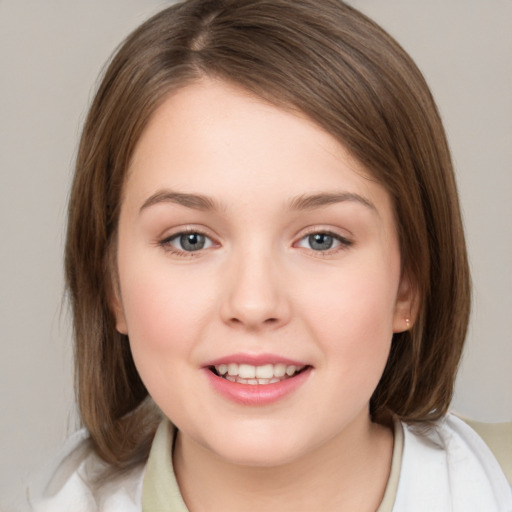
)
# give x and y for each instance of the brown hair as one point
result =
(330, 62)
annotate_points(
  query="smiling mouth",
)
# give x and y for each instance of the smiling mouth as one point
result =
(257, 375)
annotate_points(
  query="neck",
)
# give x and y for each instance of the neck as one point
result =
(350, 472)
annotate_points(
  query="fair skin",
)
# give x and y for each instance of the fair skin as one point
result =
(290, 255)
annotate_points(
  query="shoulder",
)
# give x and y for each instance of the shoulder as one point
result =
(75, 480)
(498, 437)
(447, 466)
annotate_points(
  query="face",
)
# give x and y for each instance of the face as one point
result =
(260, 276)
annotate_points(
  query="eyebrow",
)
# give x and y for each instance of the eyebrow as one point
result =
(194, 201)
(302, 202)
(313, 201)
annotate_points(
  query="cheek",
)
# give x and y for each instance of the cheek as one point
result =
(164, 325)
(353, 316)
(150, 312)
(164, 311)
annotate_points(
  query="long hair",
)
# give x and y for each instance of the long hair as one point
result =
(330, 62)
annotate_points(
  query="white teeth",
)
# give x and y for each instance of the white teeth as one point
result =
(279, 370)
(290, 370)
(265, 372)
(246, 371)
(249, 374)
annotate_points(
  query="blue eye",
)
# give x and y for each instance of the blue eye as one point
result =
(320, 241)
(188, 242)
(323, 241)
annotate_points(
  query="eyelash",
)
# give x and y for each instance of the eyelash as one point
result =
(344, 243)
(167, 246)
(165, 243)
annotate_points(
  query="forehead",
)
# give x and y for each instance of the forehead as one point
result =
(217, 138)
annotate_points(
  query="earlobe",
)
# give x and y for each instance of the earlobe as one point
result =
(114, 293)
(117, 309)
(121, 326)
(406, 306)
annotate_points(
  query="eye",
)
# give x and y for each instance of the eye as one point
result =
(191, 241)
(323, 241)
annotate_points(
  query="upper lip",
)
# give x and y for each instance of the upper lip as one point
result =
(254, 360)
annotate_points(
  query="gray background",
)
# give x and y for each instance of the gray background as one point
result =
(50, 55)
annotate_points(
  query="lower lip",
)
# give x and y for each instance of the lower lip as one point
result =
(256, 394)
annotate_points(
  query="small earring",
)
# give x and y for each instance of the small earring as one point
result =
(408, 323)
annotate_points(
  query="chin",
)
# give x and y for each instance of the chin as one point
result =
(257, 456)
(258, 447)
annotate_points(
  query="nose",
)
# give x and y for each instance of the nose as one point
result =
(255, 295)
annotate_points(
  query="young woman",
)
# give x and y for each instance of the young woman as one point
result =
(268, 275)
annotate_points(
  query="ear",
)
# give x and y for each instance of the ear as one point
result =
(117, 309)
(407, 304)
(116, 306)
(113, 289)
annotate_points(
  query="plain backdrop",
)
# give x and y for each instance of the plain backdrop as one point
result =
(51, 53)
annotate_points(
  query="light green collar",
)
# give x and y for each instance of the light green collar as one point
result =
(160, 492)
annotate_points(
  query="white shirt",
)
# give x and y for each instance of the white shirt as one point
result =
(446, 468)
